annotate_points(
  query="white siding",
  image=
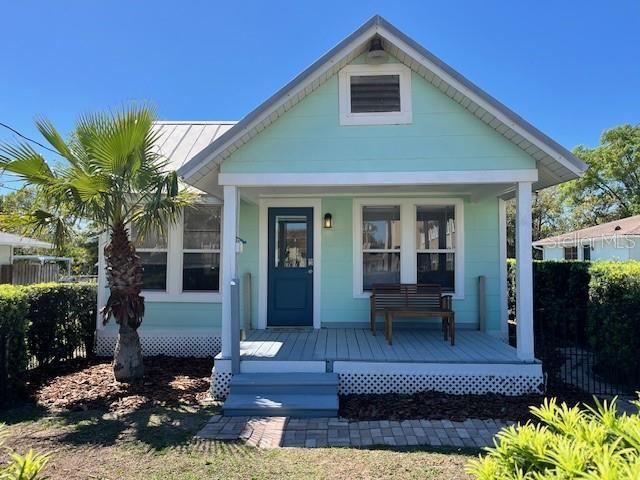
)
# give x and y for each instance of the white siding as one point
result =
(5, 255)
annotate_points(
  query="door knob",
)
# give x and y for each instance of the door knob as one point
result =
(310, 271)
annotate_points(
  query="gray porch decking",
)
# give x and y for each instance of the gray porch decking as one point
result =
(358, 344)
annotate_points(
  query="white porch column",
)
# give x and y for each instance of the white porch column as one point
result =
(229, 233)
(504, 287)
(524, 272)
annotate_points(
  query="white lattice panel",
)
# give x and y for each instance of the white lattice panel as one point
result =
(193, 346)
(220, 384)
(454, 384)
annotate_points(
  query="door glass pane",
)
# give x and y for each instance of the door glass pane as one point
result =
(437, 268)
(381, 228)
(291, 241)
(435, 228)
(380, 268)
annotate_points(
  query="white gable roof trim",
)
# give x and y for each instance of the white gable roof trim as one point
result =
(556, 164)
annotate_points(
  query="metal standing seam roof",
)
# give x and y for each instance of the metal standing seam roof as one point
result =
(179, 141)
(14, 240)
(629, 226)
(555, 163)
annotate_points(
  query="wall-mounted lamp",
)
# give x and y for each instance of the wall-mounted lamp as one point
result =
(328, 220)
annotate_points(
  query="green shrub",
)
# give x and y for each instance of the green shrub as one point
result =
(557, 286)
(61, 319)
(13, 310)
(567, 443)
(22, 467)
(614, 319)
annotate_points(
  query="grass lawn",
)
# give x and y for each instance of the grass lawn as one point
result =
(155, 442)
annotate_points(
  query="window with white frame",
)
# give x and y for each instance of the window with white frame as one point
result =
(375, 94)
(201, 249)
(436, 245)
(380, 245)
(408, 240)
(152, 251)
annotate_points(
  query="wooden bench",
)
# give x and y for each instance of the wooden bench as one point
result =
(414, 300)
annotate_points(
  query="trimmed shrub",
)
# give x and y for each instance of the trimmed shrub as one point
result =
(557, 286)
(614, 319)
(13, 310)
(62, 319)
(565, 443)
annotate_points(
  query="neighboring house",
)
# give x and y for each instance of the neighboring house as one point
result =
(22, 273)
(617, 240)
(379, 163)
(10, 241)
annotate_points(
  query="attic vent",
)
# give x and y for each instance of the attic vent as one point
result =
(375, 93)
(618, 227)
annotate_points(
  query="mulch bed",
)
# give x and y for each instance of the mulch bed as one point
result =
(441, 406)
(88, 385)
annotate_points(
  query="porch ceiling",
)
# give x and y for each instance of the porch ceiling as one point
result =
(474, 192)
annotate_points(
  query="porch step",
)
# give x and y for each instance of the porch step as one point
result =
(283, 394)
(289, 383)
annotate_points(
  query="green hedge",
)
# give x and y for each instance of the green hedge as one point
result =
(614, 318)
(13, 327)
(557, 286)
(594, 304)
(62, 319)
(43, 324)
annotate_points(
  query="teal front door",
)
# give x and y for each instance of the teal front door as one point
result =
(290, 272)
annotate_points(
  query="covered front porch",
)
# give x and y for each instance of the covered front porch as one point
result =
(411, 345)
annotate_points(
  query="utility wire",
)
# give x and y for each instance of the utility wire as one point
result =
(28, 139)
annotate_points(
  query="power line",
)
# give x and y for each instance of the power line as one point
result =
(28, 139)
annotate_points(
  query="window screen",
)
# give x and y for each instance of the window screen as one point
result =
(152, 250)
(201, 249)
(375, 93)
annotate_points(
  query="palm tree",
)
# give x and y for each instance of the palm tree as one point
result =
(114, 178)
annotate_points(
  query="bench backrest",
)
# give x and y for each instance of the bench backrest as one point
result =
(407, 295)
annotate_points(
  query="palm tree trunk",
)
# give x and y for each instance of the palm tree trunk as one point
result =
(124, 277)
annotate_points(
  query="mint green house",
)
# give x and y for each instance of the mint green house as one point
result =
(377, 164)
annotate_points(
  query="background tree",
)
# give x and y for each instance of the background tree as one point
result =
(610, 188)
(547, 215)
(113, 178)
(16, 216)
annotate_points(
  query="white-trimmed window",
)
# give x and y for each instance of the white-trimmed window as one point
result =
(184, 264)
(408, 240)
(201, 249)
(380, 245)
(152, 250)
(436, 245)
(375, 94)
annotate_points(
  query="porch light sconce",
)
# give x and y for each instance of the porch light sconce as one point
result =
(328, 220)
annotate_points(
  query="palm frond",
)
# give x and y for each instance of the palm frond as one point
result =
(51, 134)
(25, 162)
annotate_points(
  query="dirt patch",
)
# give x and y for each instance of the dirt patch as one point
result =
(441, 406)
(90, 385)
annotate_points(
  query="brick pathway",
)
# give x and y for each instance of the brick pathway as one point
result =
(273, 432)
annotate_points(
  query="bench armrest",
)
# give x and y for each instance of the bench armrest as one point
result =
(446, 302)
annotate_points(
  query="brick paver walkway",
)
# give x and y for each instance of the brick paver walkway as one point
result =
(273, 432)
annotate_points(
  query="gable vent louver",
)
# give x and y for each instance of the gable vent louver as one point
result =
(375, 93)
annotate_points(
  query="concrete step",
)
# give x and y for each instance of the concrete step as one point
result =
(284, 383)
(281, 405)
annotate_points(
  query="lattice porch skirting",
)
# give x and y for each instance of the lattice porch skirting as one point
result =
(529, 380)
(177, 346)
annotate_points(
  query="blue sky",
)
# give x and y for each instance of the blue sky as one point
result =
(572, 68)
